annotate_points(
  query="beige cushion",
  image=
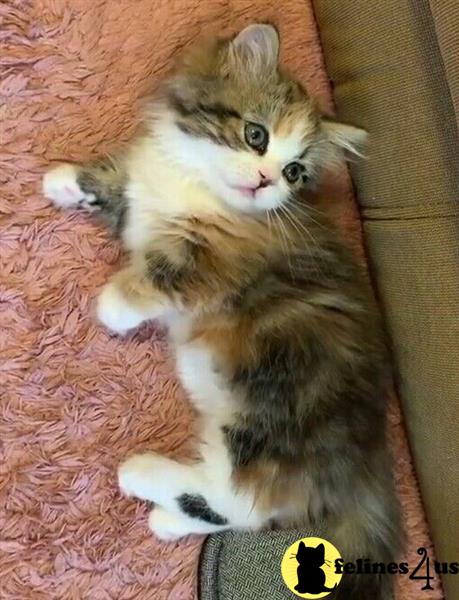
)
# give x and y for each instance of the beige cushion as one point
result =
(446, 18)
(393, 75)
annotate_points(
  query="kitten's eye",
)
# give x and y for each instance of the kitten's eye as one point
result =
(293, 171)
(256, 136)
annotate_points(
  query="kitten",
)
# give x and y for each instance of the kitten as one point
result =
(275, 333)
(311, 577)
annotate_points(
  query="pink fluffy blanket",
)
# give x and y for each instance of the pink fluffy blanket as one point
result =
(74, 400)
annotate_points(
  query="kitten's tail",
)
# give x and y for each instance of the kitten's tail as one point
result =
(364, 587)
(371, 530)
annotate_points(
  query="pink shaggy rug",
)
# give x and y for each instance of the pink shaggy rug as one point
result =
(74, 401)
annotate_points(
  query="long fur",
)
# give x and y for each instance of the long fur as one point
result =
(276, 335)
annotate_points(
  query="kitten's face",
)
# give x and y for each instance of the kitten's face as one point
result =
(313, 557)
(251, 132)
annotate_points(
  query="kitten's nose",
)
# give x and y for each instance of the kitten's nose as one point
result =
(265, 180)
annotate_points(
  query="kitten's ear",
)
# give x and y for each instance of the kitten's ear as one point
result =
(321, 548)
(347, 137)
(256, 48)
(301, 547)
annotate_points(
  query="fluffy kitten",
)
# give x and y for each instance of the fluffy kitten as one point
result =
(274, 330)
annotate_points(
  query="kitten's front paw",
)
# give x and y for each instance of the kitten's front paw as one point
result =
(61, 186)
(167, 526)
(115, 312)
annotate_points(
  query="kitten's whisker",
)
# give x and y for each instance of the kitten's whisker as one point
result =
(292, 221)
(296, 223)
(268, 218)
(301, 226)
(284, 238)
(306, 213)
(305, 208)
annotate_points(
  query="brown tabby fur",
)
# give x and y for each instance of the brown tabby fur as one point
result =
(287, 315)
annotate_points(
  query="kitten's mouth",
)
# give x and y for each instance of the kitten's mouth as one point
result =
(249, 192)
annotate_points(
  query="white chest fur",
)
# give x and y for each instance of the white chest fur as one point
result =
(207, 388)
(159, 188)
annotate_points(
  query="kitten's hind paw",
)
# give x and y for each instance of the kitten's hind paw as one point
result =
(167, 526)
(115, 312)
(61, 186)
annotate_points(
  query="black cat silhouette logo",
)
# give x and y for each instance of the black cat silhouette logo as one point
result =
(308, 568)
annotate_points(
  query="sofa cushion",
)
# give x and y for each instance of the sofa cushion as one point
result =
(245, 565)
(394, 76)
(446, 18)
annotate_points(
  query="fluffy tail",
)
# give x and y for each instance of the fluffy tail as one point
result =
(364, 587)
(371, 530)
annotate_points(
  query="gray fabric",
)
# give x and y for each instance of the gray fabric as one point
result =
(246, 566)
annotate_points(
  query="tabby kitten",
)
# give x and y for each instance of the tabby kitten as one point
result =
(274, 330)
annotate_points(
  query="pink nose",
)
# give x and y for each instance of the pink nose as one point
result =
(265, 180)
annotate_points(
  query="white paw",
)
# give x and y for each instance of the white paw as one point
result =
(61, 186)
(136, 475)
(115, 312)
(166, 525)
